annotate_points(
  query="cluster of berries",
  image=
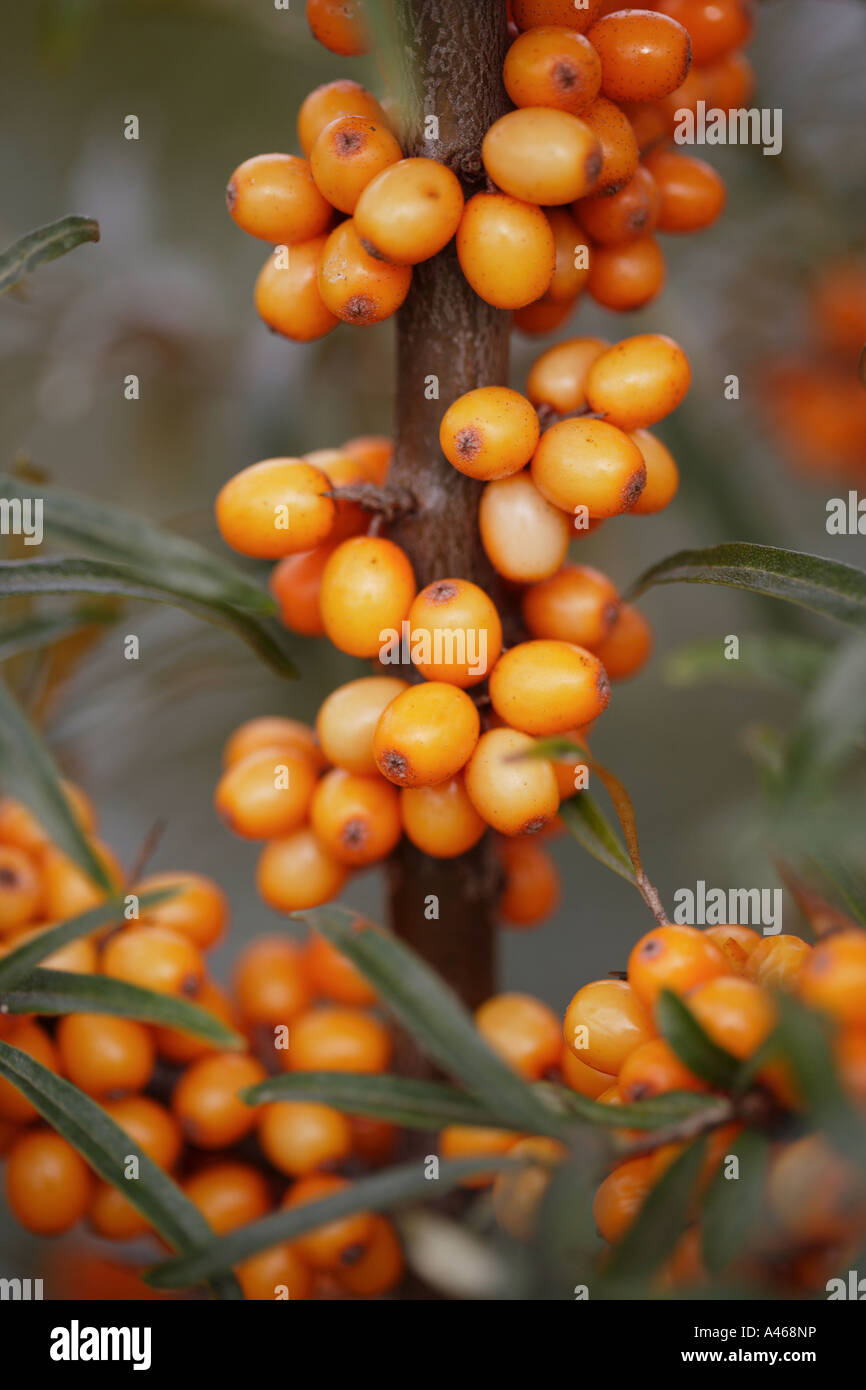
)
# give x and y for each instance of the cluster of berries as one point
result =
(580, 174)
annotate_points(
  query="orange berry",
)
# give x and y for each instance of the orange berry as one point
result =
(271, 731)
(426, 735)
(455, 632)
(198, 908)
(523, 1031)
(67, 889)
(490, 432)
(276, 507)
(154, 958)
(580, 1077)
(649, 120)
(273, 197)
(338, 1244)
(552, 66)
(206, 1100)
(557, 377)
(615, 219)
(19, 826)
(662, 474)
(276, 1273)
(296, 583)
(776, 962)
(579, 605)
(347, 154)
(105, 1056)
(515, 795)
(342, 470)
(644, 56)
(48, 1183)
(524, 536)
(506, 249)
(850, 1049)
(152, 1126)
(374, 453)
(736, 1013)
(228, 1195)
(355, 286)
(692, 193)
(673, 957)
(367, 589)
(332, 974)
(355, 819)
(814, 1194)
(287, 294)
(297, 872)
(81, 956)
(347, 721)
(441, 820)
(542, 317)
(604, 1023)
(737, 942)
(572, 267)
(714, 26)
(409, 211)
(332, 1038)
(266, 794)
(471, 1141)
(532, 883)
(21, 892)
(373, 1140)
(179, 1047)
(588, 463)
(833, 978)
(653, 1069)
(518, 1194)
(541, 155)
(340, 25)
(618, 143)
(380, 1267)
(621, 1196)
(330, 101)
(543, 687)
(628, 276)
(300, 1136)
(626, 648)
(28, 1037)
(638, 381)
(529, 14)
(270, 981)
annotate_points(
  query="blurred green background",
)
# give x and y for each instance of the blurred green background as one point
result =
(167, 294)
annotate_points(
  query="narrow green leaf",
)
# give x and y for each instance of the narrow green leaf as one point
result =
(74, 574)
(659, 1112)
(20, 960)
(824, 586)
(678, 1025)
(44, 244)
(585, 820)
(832, 719)
(43, 630)
(734, 1208)
(773, 659)
(662, 1219)
(435, 1017)
(28, 772)
(412, 1104)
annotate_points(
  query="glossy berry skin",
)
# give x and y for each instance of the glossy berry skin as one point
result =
(297, 872)
(296, 583)
(532, 886)
(207, 1103)
(471, 1141)
(638, 381)
(228, 1195)
(644, 56)
(374, 453)
(627, 647)
(197, 909)
(541, 155)
(332, 975)
(340, 1243)
(653, 1069)
(530, 14)
(342, 470)
(506, 249)
(588, 463)
(776, 962)
(66, 889)
(287, 294)
(552, 66)
(155, 1132)
(490, 432)
(21, 892)
(154, 958)
(19, 826)
(271, 731)
(455, 632)
(270, 982)
(618, 218)
(30, 1038)
(580, 1077)
(347, 721)
(335, 1038)
(619, 148)
(273, 197)
(715, 27)
(426, 734)
(356, 287)
(736, 1013)
(524, 536)
(266, 794)
(276, 1273)
(579, 605)
(441, 820)
(105, 1056)
(548, 687)
(523, 1031)
(692, 194)
(48, 1184)
(274, 508)
(330, 101)
(355, 819)
(621, 1196)
(409, 211)
(380, 1268)
(298, 1137)
(604, 1023)
(514, 795)
(339, 25)
(347, 154)
(179, 1047)
(626, 277)
(367, 590)
(662, 474)
(543, 316)
(571, 271)
(833, 979)
(557, 377)
(673, 957)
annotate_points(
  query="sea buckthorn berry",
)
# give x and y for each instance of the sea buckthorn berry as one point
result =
(276, 1273)
(850, 1050)
(275, 508)
(530, 14)
(837, 310)
(524, 536)
(523, 1031)
(179, 1047)
(653, 1069)
(517, 1194)
(604, 1023)
(580, 1077)
(621, 1196)
(777, 961)
(557, 377)
(588, 463)
(340, 25)
(531, 883)
(409, 211)
(455, 632)
(300, 1136)
(692, 193)
(628, 276)
(367, 590)
(296, 583)
(333, 975)
(342, 470)
(373, 1141)
(270, 981)
(67, 889)
(662, 474)
(297, 872)
(228, 1195)
(339, 1244)
(347, 721)
(347, 154)
(154, 958)
(579, 605)
(287, 294)
(548, 687)
(271, 731)
(380, 1267)
(552, 66)
(105, 1056)
(441, 820)
(715, 26)
(356, 819)
(673, 957)
(332, 1038)
(833, 979)
(815, 1194)
(273, 197)
(506, 249)
(21, 891)
(515, 795)
(266, 794)
(543, 317)
(644, 56)
(207, 1103)
(27, 1036)
(490, 432)
(198, 907)
(374, 453)
(618, 218)
(330, 101)
(736, 1013)
(638, 381)
(426, 735)
(476, 1141)
(156, 1132)
(620, 155)
(627, 647)
(19, 826)
(542, 156)
(48, 1184)
(354, 285)
(649, 121)
(572, 264)
(81, 956)
(737, 942)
